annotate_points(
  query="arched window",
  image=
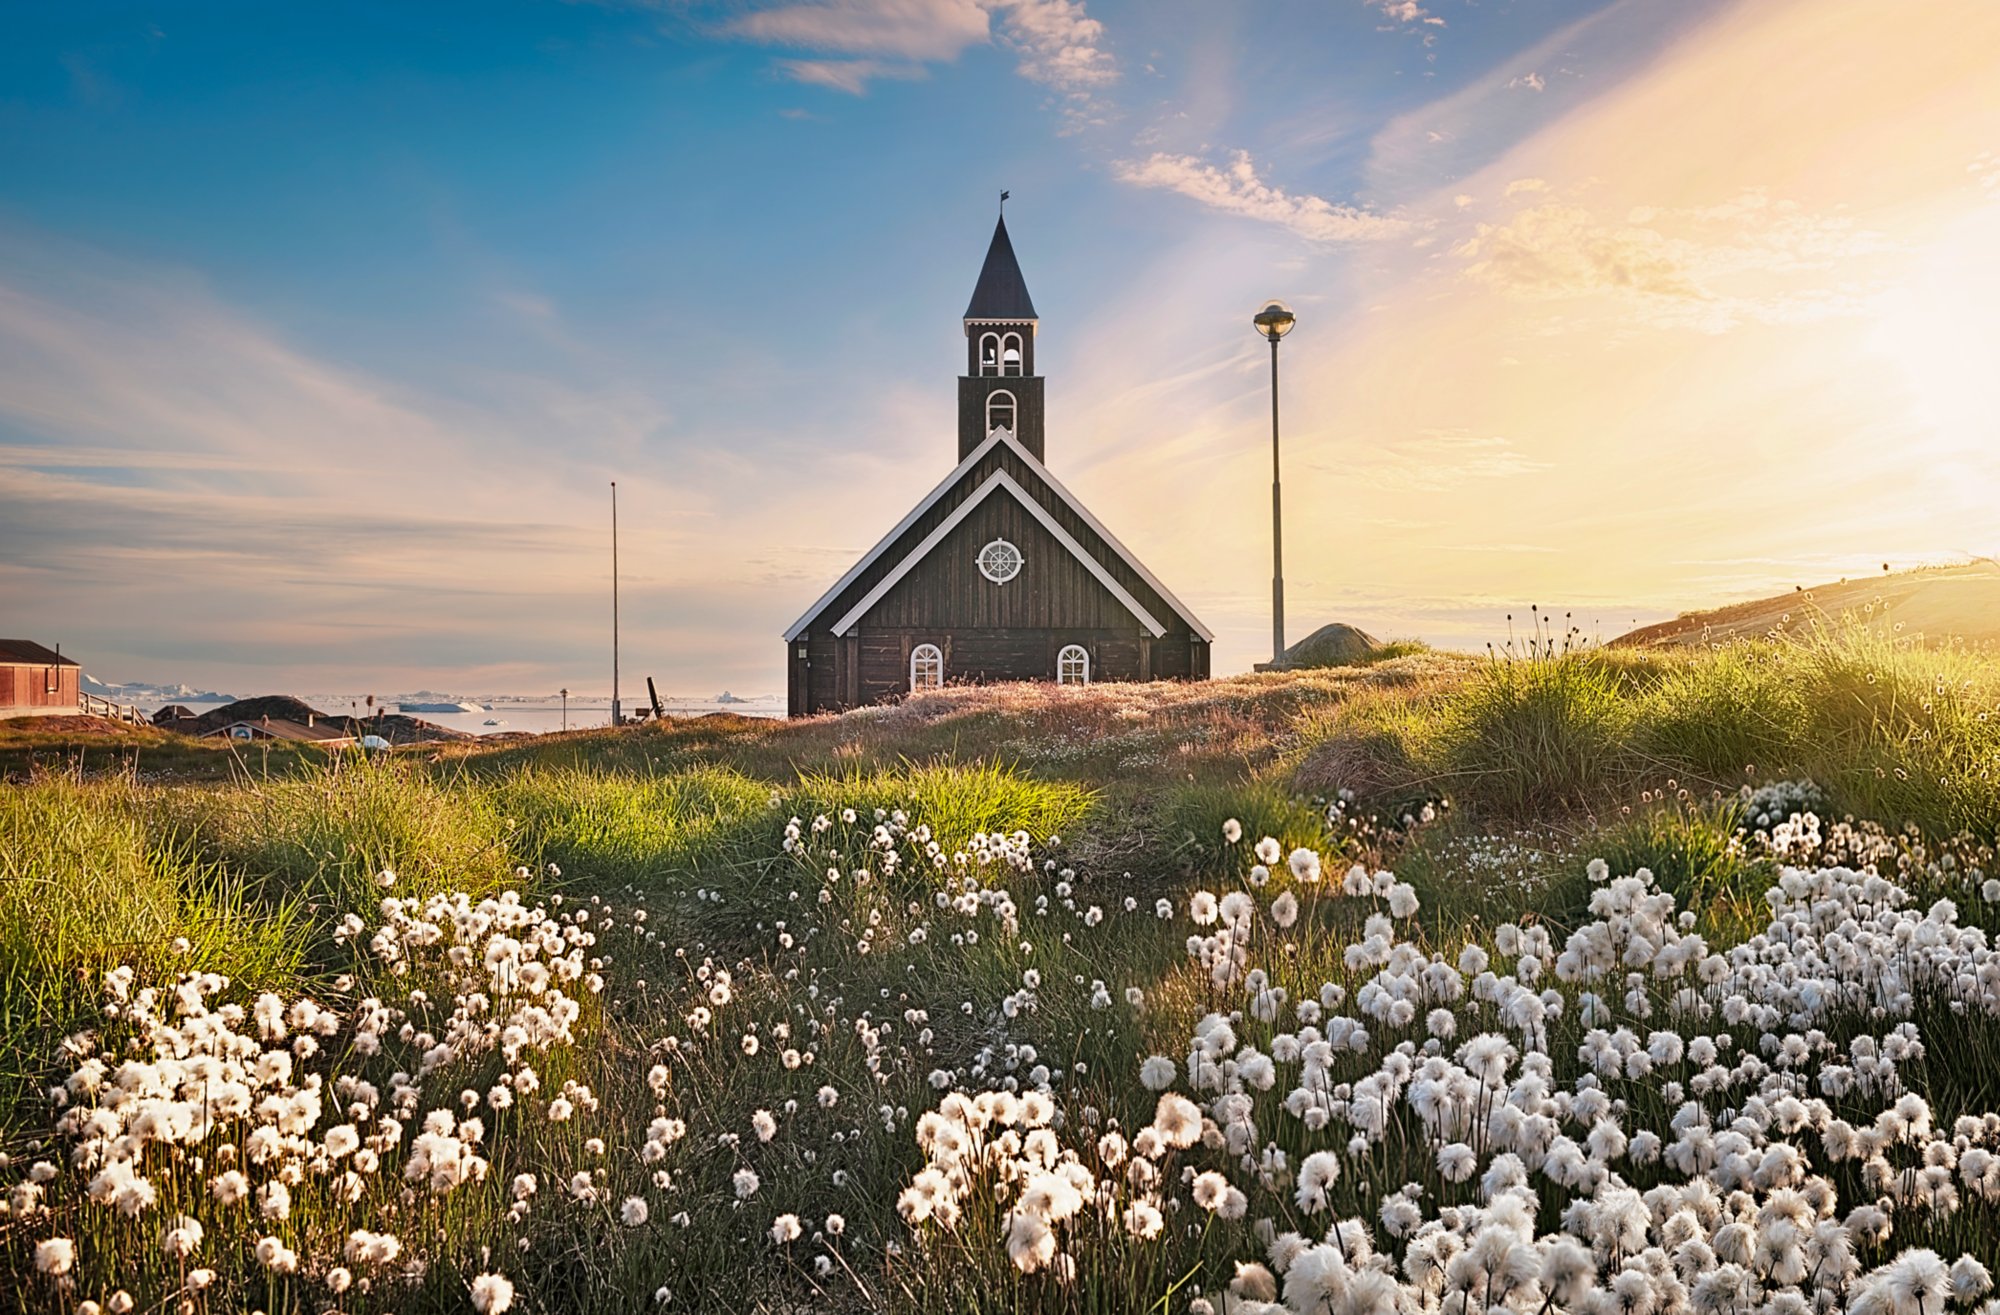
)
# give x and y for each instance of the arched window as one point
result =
(1010, 354)
(1073, 665)
(989, 353)
(1000, 411)
(926, 667)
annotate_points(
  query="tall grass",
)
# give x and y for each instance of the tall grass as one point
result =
(1894, 731)
(87, 882)
(626, 828)
(328, 833)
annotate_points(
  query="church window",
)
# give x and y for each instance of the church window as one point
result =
(1000, 408)
(1010, 354)
(1073, 665)
(926, 667)
(999, 561)
(989, 353)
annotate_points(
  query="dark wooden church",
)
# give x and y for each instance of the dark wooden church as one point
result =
(1000, 573)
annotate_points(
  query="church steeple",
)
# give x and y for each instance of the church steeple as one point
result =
(1000, 388)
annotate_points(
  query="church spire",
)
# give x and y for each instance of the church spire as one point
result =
(1000, 389)
(1001, 293)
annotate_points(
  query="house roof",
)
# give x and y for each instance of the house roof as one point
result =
(28, 653)
(1001, 293)
(951, 481)
(279, 729)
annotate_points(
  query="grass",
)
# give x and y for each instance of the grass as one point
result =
(88, 880)
(1545, 761)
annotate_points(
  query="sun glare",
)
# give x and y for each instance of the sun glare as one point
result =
(1939, 327)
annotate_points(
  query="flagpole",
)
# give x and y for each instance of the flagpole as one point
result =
(616, 718)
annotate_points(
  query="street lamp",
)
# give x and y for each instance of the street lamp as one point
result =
(565, 698)
(1274, 322)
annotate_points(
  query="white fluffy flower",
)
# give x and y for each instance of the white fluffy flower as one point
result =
(492, 1294)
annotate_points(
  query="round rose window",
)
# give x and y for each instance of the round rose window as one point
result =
(999, 561)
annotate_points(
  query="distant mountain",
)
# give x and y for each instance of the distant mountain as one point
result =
(139, 691)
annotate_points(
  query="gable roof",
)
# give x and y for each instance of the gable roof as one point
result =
(29, 652)
(951, 481)
(1001, 293)
(999, 480)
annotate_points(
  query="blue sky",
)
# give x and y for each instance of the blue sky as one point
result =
(322, 332)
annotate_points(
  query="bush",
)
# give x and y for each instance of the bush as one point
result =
(1536, 734)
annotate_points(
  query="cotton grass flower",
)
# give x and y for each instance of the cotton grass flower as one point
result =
(492, 1294)
(55, 1257)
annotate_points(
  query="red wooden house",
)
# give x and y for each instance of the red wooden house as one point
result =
(37, 681)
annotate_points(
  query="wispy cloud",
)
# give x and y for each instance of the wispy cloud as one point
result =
(1709, 267)
(1435, 460)
(1236, 189)
(1405, 11)
(1056, 43)
(849, 75)
(904, 29)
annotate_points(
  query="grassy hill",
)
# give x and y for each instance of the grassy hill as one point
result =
(1945, 604)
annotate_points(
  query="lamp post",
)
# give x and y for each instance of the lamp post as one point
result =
(1274, 322)
(565, 698)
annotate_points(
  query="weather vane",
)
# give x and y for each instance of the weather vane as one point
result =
(1003, 201)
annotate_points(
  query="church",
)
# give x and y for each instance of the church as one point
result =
(999, 573)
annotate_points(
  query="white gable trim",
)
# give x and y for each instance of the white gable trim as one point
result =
(1110, 539)
(916, 513)
(997, 437)
(999, 479)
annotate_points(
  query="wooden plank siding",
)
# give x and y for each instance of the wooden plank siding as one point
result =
(1002, 458)
(29, 686)
(1052, 588)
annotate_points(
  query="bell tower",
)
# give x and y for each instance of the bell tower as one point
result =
(1000, 389)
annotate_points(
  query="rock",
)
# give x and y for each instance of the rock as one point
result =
(1332, 645)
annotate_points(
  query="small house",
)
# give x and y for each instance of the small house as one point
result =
(37, 682)
(309, 731)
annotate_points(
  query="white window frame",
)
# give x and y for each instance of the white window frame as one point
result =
(985, 338)
(932, 653)
(1013, 367)
(1020, 560)
(1013, 410)
(1080, 654)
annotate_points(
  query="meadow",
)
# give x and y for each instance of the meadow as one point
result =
(1574, 979)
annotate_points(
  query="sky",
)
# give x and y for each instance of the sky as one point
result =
(324, 332)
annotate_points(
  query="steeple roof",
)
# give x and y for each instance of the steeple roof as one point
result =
(1001, 293)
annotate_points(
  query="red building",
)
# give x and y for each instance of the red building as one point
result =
(37, 681)
(1000, 573)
